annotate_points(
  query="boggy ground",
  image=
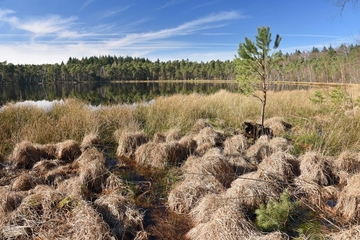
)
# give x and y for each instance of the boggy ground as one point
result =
(180, 168)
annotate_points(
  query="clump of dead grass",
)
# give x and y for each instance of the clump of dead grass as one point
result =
(315, 167)
(212, 163)
(129, 142)
(348, 161)
(187, 193)
(261, 149)
(120, 215)
(349, 200)
(279, 166)
(68, 150)
(208, 138)
(164, 154)
(227, 222)
(252, 189)
(236, 145)
(90, 140)
(92, 169)
(277, 125)
(25, 155)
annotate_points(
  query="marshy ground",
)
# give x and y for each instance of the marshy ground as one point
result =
(180, 168)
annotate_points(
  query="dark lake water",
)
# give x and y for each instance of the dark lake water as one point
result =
(108, 93)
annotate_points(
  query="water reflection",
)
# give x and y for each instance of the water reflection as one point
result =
(108, 93)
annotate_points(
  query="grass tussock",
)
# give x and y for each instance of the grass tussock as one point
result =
(129, 142)
(315, 167)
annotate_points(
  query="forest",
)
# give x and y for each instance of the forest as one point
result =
(326, 65)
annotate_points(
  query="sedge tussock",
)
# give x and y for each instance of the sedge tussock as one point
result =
(90, 140)
(173, 135)
(261, 149)
(92, 224)
(48, 151)
(227, 222)
(200, 124)
(74, 188)
(281, 144)
(212, 163)
(92, 169)
(25, 155)
(44, 166)
(159, 138)
(186, 194)
(129, 142)
(279, 166)
(202, 212)
(240, 165)
(349, 200)
(161, 155)
(189, 144)
(353, 232)
(236, 145)
(25, 181)
(2, 161)
(277, 125)
(120, 215)
(348, 161)
(208, 138)
(68, 150)
(317, 168)
(308, 191)
(9, 200)
(250, 190)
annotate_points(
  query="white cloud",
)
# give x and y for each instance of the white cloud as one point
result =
(60, 39)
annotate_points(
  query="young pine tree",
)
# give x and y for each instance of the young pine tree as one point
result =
(254, 63)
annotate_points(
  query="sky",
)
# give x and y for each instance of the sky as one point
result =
(51, 31)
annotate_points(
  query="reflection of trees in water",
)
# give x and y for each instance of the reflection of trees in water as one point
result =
(108, 93)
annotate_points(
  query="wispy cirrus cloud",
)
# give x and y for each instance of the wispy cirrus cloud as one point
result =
(187, 28)
(63, 37)
(37, 26)
(170, 3)
(87, 3)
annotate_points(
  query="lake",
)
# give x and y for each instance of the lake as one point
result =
(112, 93)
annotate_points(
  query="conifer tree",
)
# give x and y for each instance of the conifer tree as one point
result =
(254, 63)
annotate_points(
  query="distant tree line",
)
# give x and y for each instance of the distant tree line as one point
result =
(319, 65)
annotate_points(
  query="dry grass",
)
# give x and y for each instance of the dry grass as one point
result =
(124, 220)
(90, 140)
(129, 142)
(260, 150)
(236, 145)
(278, 125)
(92, 169)
(212, 163)
(348, 161)
(161, 155)
(25, 155)
(279, 166)
(251, 189)
(186, 194)
(349, 200)
(227, 222)
(208, 138)
(68, 150)
(203, 211)
(315, 167)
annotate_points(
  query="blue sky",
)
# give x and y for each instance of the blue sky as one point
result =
(51, 31)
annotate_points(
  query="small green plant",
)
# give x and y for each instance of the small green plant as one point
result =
(338, 96)
(275, 215)
(288, 216)
(318, 98)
